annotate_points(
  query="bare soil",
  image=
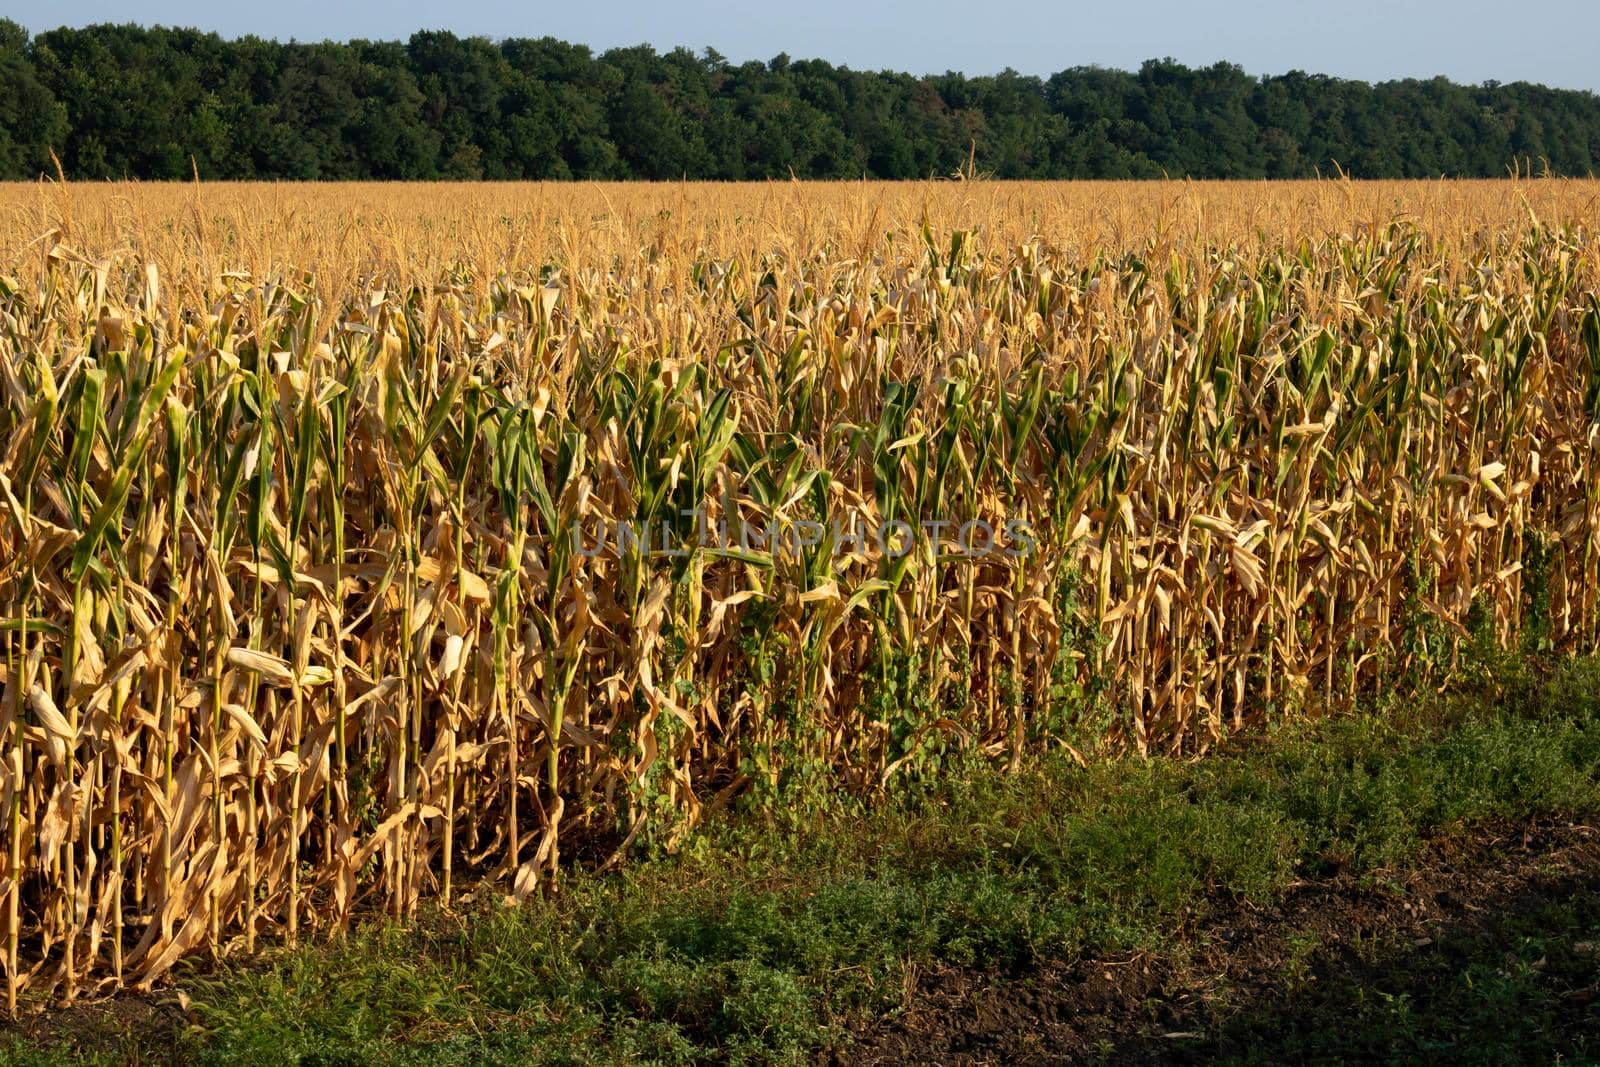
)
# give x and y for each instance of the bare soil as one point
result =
(1386, 969)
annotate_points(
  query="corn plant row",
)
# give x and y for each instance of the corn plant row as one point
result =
(296, 623)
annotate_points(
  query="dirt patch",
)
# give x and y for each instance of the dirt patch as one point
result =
(1428, 964)
(131, 1027)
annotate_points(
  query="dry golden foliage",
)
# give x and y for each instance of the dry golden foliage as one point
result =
(293, 616)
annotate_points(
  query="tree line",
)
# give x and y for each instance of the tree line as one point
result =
(123, 101)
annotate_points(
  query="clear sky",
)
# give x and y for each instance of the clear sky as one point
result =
(1549, 41)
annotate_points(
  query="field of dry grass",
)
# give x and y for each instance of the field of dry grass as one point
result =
(344, 232)
(294, 617)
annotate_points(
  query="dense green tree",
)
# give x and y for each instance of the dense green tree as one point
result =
(32, 120)
(125, 101)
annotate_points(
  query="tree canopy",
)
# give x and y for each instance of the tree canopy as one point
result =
(124, 101)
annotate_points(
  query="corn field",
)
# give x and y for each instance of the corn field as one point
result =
(295, 625)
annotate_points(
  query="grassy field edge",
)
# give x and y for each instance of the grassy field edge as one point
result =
(774, 935)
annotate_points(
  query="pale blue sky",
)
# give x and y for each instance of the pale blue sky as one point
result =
(1550, 41)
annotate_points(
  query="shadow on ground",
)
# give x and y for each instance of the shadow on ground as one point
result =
(1487, 952)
